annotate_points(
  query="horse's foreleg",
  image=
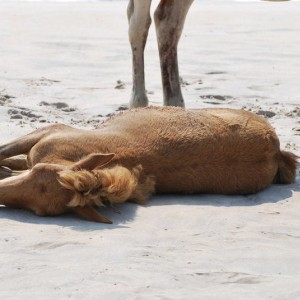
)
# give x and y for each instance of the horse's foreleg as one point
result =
(139, 22)
(169, 21)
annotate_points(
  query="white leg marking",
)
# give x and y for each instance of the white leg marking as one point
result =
(139, 22)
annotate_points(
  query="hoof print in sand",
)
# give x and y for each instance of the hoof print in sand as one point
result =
(58, 105)
(291, 147)
(216, 73)
(216, 99)
(122, 107)
(20, 114)
(184, 83)
(5, 99)
(294, 113)
(41, 82)
(296, 130)
(266, 113)
(120, 85)
(110, 115)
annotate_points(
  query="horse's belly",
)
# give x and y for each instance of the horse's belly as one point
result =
(230, 165)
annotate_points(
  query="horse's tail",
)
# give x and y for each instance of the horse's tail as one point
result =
(287, 166)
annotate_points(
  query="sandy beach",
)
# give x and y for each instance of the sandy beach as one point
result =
(71, 63)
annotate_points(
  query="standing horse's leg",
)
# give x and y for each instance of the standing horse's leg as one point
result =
(139, 22)
(169, 21)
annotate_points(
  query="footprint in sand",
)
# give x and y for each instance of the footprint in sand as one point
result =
(294, 113)
(266, 113)
(296, 130)
(216, 99)
(231, 277)
(41, 82)
(122, 107)
(184, 83)
(120, 85)
(216, 73)
(23, 114)
(5, 99)
(58, 105)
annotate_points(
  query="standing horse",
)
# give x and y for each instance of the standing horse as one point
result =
(169, 20)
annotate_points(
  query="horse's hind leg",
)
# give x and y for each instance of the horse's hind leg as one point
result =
(13, 166)
(24, 144)
(18, 162)
(169, 20)
(5, 172)
(139, 22)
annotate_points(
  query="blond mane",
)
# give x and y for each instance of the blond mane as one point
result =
(115, 185)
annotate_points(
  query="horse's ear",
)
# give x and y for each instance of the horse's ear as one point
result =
(93, 161)
(89, 213)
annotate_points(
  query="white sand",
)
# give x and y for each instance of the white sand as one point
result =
(177, 247)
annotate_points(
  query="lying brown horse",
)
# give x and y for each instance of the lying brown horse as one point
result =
(166, 150)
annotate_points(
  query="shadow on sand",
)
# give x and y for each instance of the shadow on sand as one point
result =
(125, 213)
